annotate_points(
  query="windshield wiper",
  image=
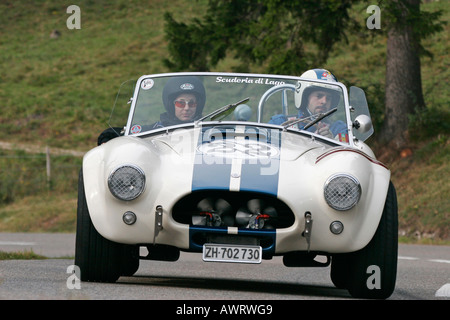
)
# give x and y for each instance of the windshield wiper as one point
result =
(223, 111)
(289, 123)
(318, 117)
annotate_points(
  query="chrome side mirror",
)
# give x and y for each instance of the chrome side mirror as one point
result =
(362, 123)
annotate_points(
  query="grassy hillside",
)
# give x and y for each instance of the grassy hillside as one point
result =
(59, 92)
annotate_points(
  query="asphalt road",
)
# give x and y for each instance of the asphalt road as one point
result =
(423, 274)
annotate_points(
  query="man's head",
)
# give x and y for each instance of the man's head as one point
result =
(319, 101)
(316, 97)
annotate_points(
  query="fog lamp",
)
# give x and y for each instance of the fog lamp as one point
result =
(336, 227)
(129, 218)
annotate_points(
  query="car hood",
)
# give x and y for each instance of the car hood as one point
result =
(285, 146)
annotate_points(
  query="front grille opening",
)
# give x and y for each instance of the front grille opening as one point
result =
(246, 210)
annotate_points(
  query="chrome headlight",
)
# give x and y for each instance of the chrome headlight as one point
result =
(126, 182)
(342, 192)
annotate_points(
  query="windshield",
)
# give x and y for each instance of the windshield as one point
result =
(166, 100)
(359, 106)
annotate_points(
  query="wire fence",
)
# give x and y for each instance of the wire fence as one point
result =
(23, 174)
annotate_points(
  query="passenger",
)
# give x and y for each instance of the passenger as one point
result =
(184, 100)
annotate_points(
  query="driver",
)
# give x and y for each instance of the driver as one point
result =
(314, 98)
(184, 100)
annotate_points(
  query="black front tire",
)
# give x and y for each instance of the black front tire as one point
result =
(100, 259)
(371, 272)
(339, 270)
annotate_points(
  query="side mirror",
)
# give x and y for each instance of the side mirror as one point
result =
(362, 123)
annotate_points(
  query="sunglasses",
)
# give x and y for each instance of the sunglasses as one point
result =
(182, 103)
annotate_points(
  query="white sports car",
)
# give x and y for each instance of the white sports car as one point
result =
(239, 168)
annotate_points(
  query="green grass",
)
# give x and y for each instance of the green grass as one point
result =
(46, 212)
(24, 255)
(423, 191)
(62, 90)
(59, 92)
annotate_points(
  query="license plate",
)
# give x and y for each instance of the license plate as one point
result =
(231, 253)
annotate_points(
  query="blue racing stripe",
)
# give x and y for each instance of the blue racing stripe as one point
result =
(261, 175)
(259, 171)
(210, 172)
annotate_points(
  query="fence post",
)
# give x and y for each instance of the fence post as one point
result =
(48, 167)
